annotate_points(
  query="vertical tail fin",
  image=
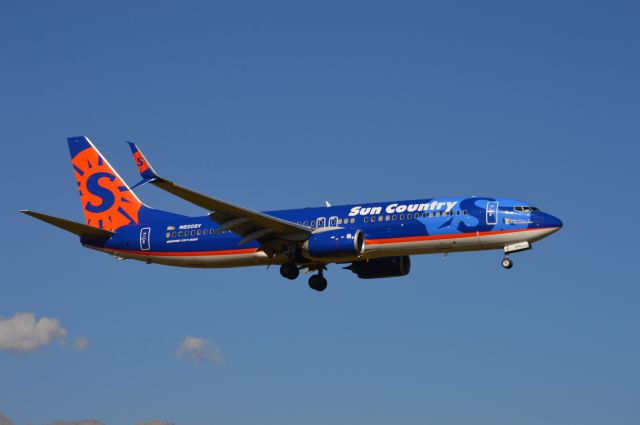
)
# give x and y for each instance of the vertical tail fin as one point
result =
(107, 201)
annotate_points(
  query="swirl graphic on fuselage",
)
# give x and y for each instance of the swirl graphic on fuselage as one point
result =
(477, 212)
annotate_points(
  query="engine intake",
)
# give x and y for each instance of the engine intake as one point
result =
(334, 243)
(382, 267)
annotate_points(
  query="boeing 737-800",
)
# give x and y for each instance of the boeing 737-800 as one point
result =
(373, 240)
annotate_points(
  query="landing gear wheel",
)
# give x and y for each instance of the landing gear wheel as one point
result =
(318, 283)
(289, 270)
(507, 263)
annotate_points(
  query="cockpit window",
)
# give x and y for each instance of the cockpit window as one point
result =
(525, 209)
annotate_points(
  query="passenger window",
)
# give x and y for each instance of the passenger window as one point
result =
(401, 216)
(465, 212)
(366, 219)
(168, 234)
(353, 220)
(387, 218)
(173, 235)
(393, 217)
(339, 221)
(306, 223)
(180, 233)
(313, 223)
(199, 232)
(409, 216)
(205, 232)
(438, 214)
(380, 218)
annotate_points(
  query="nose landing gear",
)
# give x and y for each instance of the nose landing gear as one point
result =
(507, 263)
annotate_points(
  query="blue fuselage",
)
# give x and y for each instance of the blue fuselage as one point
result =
(390, 228)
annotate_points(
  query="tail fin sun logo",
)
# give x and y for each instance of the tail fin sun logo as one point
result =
(107, 201)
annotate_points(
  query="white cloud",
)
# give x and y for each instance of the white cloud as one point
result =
(81, 343)
(23, 332)
(200, 350)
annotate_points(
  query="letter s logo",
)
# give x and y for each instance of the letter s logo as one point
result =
(140, 161)
(93, 186)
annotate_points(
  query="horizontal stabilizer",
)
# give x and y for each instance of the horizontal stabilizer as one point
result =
(71, 226)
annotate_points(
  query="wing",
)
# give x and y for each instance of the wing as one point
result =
(273, 234)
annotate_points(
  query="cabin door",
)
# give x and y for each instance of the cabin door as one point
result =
(492, 213)
(145, 238)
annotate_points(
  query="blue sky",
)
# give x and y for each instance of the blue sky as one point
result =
(288, 104)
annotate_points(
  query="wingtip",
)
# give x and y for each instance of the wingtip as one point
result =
(133, 146)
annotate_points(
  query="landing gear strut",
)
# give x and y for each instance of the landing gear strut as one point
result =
(507, 263)
(289, 270)
(318, 282)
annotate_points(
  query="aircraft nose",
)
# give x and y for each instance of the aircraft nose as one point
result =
(547, 220)
(555, 221)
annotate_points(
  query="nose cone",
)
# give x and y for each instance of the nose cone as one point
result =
(544, 220)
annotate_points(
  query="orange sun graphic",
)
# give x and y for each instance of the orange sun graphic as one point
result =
(107, 201)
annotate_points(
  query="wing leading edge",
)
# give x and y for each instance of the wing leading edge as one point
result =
(274, 234)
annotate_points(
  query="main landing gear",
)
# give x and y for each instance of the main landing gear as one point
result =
(290, 271)
(507, 263)
(317, 282)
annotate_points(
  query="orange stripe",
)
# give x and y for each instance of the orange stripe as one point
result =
(188, 254)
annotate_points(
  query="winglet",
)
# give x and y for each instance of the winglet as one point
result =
(144, 168)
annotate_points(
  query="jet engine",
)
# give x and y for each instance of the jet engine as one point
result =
(382, 267)
(334, 244)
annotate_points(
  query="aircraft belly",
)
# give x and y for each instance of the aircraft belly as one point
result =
(421, 245)
(499, 240)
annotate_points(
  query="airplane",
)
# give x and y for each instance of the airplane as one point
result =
(372, 240)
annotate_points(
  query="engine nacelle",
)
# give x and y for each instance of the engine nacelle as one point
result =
(382, 267)
(334, 243)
